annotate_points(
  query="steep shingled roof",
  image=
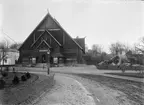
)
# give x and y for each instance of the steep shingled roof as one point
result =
(81, 42)
(48, 14)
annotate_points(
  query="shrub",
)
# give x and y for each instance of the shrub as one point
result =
(2, 83)
(15, 80)
(23, 78)
(28, 75)
(4, 74)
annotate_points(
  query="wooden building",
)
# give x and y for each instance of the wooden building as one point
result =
(49, 35)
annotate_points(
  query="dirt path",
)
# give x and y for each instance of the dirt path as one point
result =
(67, 91)
(75, 90)
(113, 91)
(102, 95)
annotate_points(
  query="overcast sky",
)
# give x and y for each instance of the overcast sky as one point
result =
(100, 21)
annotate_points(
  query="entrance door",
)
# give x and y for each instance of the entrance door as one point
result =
(44, 58)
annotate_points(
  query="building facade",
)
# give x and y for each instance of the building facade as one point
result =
(48, 42)
(8, 57)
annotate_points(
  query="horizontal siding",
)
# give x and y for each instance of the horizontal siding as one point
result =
(69, 53)
(69, 50)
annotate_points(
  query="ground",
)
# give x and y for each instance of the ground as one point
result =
(25, 92)
(67, 91)
(105, 89)
(136, 74)
(124, 91)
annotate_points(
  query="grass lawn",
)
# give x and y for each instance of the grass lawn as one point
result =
(134, 91)
(24, 92)
(136, 75)
(10, 77)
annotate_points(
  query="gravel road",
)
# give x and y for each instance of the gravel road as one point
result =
(112, 91)
(67, 91)
(102, 94)
(103, 90)
(75, 90)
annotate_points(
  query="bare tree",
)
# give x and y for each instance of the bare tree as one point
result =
(140, 46)
(15, 45)
(4, 46)
(3, 53)
(116, 48)
(134, 49)
(126, 48)
(96, 49)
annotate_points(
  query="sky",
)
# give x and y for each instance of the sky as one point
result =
(100, 21)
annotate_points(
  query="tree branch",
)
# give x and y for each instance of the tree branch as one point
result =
(140, 50)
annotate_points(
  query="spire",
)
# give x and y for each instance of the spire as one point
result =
(48, 11)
